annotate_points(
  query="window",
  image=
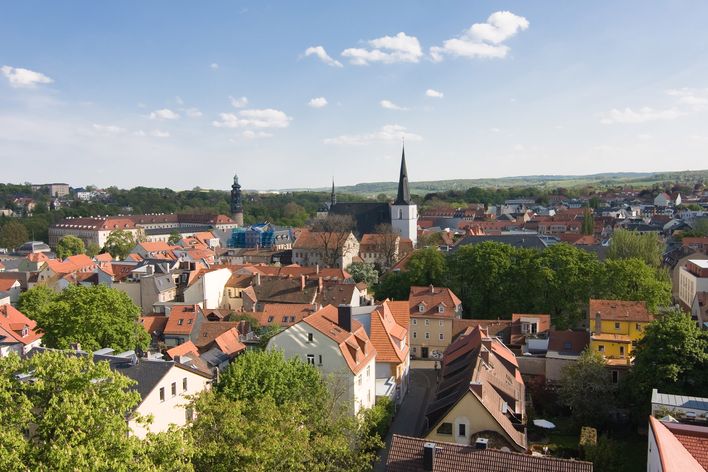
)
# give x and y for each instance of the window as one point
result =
(180, 321)
(442, 337)
(189, 321)
(427, 335)
(622, 351)
(285, 320)
(427, 322)
(270, 319)
(601, 348)
(414, 321)
(617, 326)
(445, 428)
(441, 309)
(184, 384)
(309, 337)
(320, 359)
(174, 389)
(311, 359)
(421, 308)
(639, 327)
(461, 429)
(162, 394)
(415, 335)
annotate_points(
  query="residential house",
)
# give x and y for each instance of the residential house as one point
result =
(564, 347)
(183, 324)
(675, 447)
(699, 309)
(432, 311)
(336, 344)
(529, 333)
(233, 289)
(615, 328)
(208, 288)
(17, 332)
(91, 230)
(217, 344)
(692, 278)
(339, 294)
(284, 314)
(407, 454)
(298, 290)
(480, 395)
(663, 200)
(54, 273)
(11, 288)
(384, 249)
(325, 249)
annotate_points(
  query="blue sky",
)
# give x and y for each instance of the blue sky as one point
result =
(182, 94)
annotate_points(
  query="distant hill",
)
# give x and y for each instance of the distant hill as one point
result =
(636, 179)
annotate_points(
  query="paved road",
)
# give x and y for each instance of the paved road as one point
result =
(410, 416)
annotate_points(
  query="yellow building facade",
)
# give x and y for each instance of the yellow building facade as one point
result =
(616, 326)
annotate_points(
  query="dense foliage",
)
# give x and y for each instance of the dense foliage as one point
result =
(585, 388)
(279, 415)
(631, 244)
(495, 280)
(71, 416)
(95, 316)
(70, 246)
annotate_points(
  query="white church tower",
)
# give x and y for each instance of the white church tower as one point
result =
(404, 213)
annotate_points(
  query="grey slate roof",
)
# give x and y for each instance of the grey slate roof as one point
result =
(680, 401)
(147, 373)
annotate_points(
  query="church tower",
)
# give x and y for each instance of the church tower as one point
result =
(404, 213)
(236, 204)
(333, 196)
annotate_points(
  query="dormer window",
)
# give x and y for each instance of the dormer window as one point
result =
(25, 331)
(421, 308)
(180, 321)
(441, 309)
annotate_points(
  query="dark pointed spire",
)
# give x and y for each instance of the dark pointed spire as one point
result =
(333, 197)
(404, 195)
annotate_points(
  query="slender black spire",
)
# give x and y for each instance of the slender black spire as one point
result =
(333, 197)
(236, 202)
(404, 195)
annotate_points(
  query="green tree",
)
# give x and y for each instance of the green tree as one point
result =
(588, 226)
(363, 272)
(12, 234)
(585, 387)
(427, 266)
(630, 244)
(632, 279)
(75, 410)
(174, 238)
(394, 285)
(672, 357)
(119, 243)
(93, 249)
(69, 246)
(95, 316)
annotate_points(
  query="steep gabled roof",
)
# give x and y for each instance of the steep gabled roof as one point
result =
(387, 336)
(620, 310)
(12, 323)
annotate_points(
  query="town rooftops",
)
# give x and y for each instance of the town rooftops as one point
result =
(182, 319)
(567, 343)
(318, 240)
(406, 454)
(95, 223)
(620, 310)
(15, 327)
(680, 401)
(387, 336)
(436, 301)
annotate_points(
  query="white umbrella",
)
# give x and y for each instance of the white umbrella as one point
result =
(545, 424)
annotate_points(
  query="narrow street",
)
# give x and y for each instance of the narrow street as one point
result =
(409, 418)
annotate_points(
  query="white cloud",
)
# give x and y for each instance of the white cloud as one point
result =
(193, 112)
(156, 133)
(253, 118)
(164, 114)
(483, 40)
(387, 49)
(434, 93)
(696, 98)
(24, 78)
(389, 105)
(321, 54)
(179, 100)
(108, 129)
(250, 134)
(214, 66)
(386, 133)
(319, 102)
(238, 102)
(642, 115)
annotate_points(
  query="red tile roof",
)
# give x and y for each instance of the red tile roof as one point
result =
(182, 349)
(7, 284)
(12, 323)
(187, 314)
(620, 310)
(406, 455)
(674, 454)
(229, 342)
(284, 314)
(313, 240)
(387, 336)
(154, 324)
(432, 297)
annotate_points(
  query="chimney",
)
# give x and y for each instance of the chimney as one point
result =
(317, 268)
(344, 317)
(432, 289)
(258, 278)
(302, 282)
(176, 359)
(320, 283)
(481, 443)
(598, 323)
(429, 456)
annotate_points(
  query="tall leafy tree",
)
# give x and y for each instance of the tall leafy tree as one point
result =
(426, 267)
(632, 245)
(672, 357)
(119, 243)
(95, 316)
(363, 272)
(12, 234)
(70, 246)
(72, 416)
(394, 286)
(588, 226)
(586, 389)
(633, 279)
